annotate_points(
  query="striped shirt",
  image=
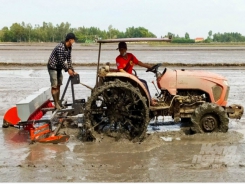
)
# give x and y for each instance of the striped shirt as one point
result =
(59, 55)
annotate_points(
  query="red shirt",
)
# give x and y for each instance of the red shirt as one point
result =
(126, 64)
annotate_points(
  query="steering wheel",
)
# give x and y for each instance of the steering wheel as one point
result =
(164, 71)
(154, 69)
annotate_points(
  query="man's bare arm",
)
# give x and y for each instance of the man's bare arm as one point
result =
(144, 65)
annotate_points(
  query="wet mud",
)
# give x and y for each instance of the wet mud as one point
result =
(168, 154)
(153, 160)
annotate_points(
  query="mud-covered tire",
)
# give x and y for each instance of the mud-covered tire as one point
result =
(5, 124)
(210, 117)
(123, 111)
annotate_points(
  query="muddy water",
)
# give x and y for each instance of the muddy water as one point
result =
(82, 54)
(169, 156)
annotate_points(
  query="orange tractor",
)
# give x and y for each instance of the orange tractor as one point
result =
(120, 103)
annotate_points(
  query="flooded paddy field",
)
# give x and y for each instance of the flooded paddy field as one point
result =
(87, 54)
(166, 156)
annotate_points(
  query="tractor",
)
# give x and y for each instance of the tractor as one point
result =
(119, 105)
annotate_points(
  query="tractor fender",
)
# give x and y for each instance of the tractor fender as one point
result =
(132, 79)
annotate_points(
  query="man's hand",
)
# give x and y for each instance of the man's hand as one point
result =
(71, 72)
(122, 70)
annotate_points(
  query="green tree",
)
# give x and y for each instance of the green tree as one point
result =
(171, 35)
(28, 29)
(17, 32)
(6, 34)
(210, 33)
(182, 40)
(109, 30)
(51, 32)
(228, 37)
(139, 32)
(62, 30)
(1, 35)
(187, 36)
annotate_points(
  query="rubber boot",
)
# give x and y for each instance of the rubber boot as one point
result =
(56, 101)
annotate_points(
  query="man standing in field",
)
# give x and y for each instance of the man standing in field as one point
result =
(57, 62)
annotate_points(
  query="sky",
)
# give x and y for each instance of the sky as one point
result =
(195, 17)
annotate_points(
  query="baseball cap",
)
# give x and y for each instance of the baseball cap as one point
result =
(122, 45)
(71, 36)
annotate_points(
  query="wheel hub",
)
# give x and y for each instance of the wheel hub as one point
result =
(209, 123)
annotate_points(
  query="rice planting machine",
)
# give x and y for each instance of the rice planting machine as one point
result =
(30, 114)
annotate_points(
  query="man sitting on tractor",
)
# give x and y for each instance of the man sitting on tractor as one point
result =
(125, 62)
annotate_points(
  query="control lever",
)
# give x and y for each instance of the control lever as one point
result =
(155, 87)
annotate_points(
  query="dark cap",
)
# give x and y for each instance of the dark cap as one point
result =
(122, 45)
(70, 36)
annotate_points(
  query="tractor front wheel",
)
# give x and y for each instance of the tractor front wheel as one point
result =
(210, 117)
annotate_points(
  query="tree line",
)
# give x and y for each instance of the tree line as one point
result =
(47, 32)
(50, 33)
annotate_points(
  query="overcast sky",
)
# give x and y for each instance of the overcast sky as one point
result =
(196, 17)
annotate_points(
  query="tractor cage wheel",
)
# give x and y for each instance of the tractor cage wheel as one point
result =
(123, 109)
